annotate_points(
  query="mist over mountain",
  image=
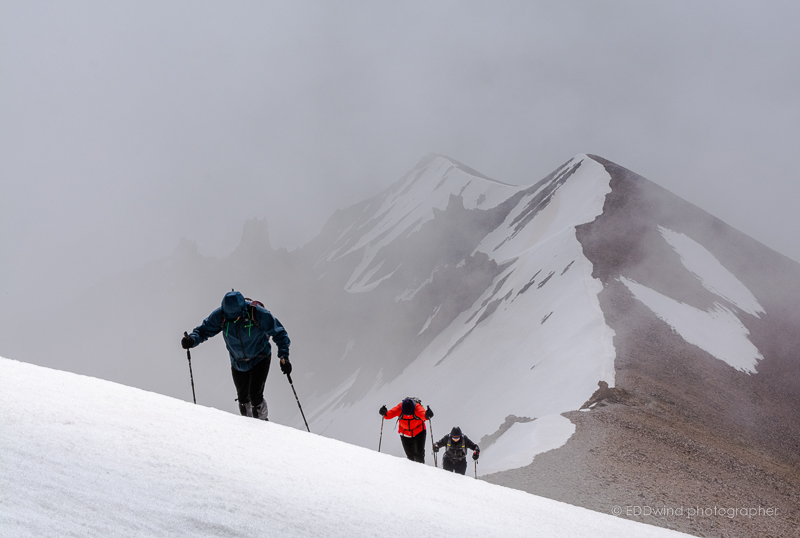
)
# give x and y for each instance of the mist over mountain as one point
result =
(607, 343)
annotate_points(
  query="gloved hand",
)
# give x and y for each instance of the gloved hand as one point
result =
(383, 411)
(187, 342)
(436, 447)
(476, 454)
(428, 413)
(286, 366)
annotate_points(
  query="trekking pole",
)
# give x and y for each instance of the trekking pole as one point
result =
(435, 459)
(476, 469)
(289, 377)
(191, 376)
(381, 439)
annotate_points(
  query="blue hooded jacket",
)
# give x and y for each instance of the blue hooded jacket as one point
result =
(247, 339)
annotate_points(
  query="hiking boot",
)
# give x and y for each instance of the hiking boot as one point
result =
(260, 410)
(246, 409)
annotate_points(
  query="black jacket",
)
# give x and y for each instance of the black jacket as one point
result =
(457, 451)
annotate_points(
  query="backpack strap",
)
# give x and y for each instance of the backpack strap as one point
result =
(251, 311)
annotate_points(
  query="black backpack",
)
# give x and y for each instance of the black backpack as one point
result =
(458, 451)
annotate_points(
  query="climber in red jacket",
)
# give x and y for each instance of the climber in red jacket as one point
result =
(411, 426)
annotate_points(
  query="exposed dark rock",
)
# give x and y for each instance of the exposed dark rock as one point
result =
(487, 440)
(606, 395)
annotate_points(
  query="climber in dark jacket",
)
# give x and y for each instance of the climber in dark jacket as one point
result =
(246, 327)
(455, 457)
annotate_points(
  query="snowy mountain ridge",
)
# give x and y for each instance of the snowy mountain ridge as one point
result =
(111, 460)
(508, 309)
(536, 321)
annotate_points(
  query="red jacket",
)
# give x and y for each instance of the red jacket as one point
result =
(408, 425)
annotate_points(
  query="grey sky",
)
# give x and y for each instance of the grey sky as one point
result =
(125, 126)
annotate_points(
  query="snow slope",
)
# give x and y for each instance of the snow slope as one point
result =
(101, 459)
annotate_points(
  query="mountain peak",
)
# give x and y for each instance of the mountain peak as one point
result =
(406, 206)
(431, 158)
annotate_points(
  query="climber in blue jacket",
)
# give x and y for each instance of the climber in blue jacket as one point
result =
(246, 326)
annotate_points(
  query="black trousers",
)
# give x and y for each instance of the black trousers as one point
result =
(457, 466)
(250, 384)
(415, 446)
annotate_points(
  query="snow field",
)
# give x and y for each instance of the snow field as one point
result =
(102, 459)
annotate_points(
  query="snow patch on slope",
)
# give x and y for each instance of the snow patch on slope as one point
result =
(718, 331)
(409, 294)
(428, 321)
(366, 283)
(518, 446)
(711, 273)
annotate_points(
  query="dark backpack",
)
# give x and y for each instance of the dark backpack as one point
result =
(457, 451)
(413, 399)
(251, 309)
(415, 417)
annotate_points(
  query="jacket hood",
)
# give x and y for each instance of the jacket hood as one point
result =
(233, 305)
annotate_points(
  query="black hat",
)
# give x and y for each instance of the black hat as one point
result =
(409, 406)
(455, 432)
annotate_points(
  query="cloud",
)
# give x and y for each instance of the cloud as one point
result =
(129, 126)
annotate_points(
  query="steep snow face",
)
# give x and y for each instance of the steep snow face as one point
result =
(534, 343)
(109, 460)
